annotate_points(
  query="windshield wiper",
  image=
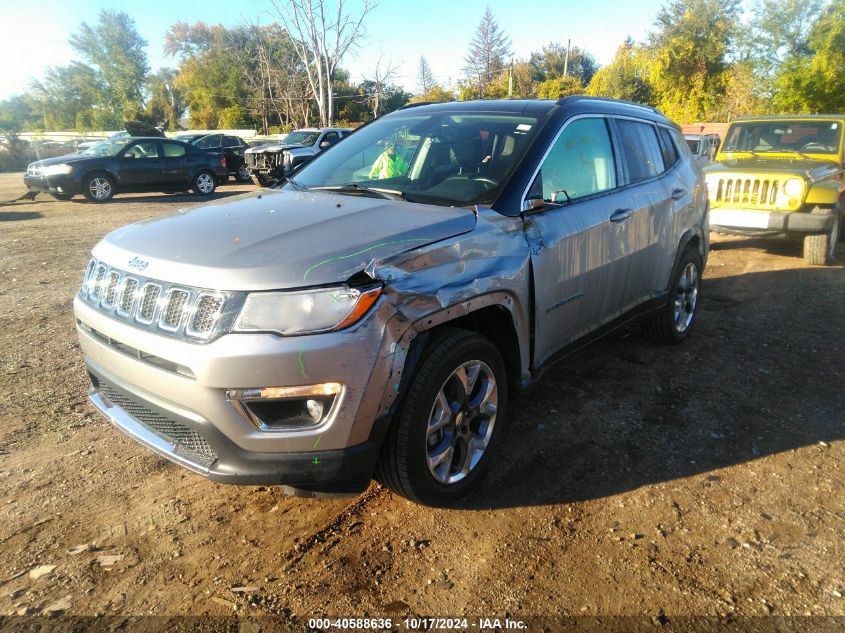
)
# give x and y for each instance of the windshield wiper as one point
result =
(353, 187)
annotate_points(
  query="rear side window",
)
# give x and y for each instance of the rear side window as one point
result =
(670, 154)
(173, 150)
(230, 141)
(579, 164)
(642, 153)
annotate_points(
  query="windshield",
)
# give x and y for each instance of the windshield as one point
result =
(107, 148)
(301, 138)
(815, 137)
(452, 159)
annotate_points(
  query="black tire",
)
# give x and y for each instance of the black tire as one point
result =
(668, 326)
(98, 187)
(62, 196)
(403, 464)
(242, 174)
(819, 250)
(204, 183)
(260, 180)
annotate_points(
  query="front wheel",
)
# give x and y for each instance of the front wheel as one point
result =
(242, 174)
(450, 422)
(674, 321)
(819, 250)
(204, 183)
(98, 188)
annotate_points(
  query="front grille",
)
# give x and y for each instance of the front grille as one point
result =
(187, 442)
(747, 191)
(149, 300)
(154, 305)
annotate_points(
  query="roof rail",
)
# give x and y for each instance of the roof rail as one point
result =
(563, 100)
(418, 103)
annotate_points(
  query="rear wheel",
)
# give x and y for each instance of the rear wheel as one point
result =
(243, 174)
(819, 250)
(98, 187)
(204, 183)
(450, 421)
(674, 321)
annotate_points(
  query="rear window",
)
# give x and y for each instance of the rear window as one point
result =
(641, 150)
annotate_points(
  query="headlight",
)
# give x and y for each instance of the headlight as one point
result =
(305, 311)
(52, 170)
(793, 187)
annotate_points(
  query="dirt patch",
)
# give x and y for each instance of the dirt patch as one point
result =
(704, 479)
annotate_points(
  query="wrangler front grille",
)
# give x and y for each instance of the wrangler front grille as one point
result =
(747, 191)
(187, 442)
(170, 309)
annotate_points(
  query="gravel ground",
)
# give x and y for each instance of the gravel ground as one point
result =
(660, 483)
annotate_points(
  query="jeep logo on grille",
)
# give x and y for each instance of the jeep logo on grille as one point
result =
(138, 264)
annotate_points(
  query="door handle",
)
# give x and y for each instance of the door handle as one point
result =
(677, 194)
(620, 215)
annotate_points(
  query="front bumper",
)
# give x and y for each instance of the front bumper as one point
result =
(184, 415)
(60, 183)
(770, 222)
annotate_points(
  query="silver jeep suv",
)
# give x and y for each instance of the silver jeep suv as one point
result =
(376, 312)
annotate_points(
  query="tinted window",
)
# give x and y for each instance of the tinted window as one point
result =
(331, 137)
(670, 154)
(143, 150)
(230, 141)
(579, 164)
(641, 150)
(173, 150)
(209, 142)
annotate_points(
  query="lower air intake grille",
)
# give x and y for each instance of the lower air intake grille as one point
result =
(188, 443)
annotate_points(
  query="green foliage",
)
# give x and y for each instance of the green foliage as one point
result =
(115, 49)
(552, 61)
(436, 94)
(625, 77)
(166, 103)
(73, 97)
(559, 87)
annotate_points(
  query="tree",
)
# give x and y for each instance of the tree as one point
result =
(116, 50)
(552, 60)
(425, 78)
(487, 53)
(625, 77)
(384, 73)
(436, 94)
(690, 51)
(72, 97)
(322, 33)
(166, 103)
(515, 82)
(560, 87)
(816, 82)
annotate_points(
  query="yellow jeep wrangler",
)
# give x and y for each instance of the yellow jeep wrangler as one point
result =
(781, 175)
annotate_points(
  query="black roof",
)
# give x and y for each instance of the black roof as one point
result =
(574, 105)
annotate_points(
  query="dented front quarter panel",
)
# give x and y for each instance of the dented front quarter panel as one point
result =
(431, 285)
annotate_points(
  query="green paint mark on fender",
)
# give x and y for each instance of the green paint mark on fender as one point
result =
(369, 248)
(301, 366)
(317, 442)
(316, 462)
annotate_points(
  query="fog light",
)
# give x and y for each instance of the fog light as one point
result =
(315, 409)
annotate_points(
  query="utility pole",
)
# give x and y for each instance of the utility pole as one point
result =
(566, 59)
(510, 80)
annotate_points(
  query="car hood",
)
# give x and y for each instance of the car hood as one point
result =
(60, 160)
(274, 147)
(792, 165)
(274, 239)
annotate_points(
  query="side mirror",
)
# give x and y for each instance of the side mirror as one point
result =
(325, 144)
(534, 204)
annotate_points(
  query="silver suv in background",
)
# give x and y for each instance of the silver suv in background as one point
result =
(377, 313)
(703, 147)
(271, 161)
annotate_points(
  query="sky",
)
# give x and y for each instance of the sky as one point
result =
(34, 36)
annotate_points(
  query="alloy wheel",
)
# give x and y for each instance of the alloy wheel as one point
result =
(461, 422)
(205, 183)
(100, 188)
(686, 296)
